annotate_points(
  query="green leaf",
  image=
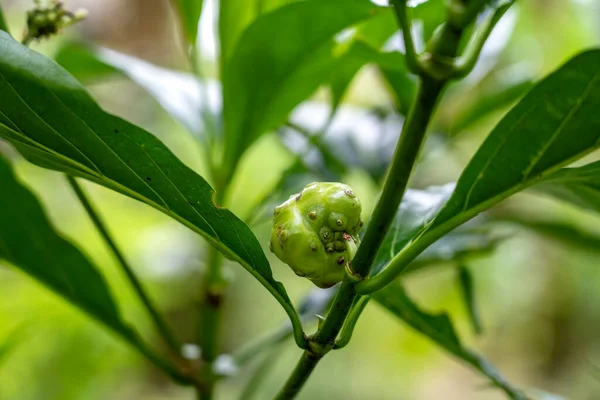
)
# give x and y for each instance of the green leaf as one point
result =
(439, 328)
(236, 15)
(29, 242)
(579, 186)
(465, 281)
(488, 102)
(11, 341)
(555, 124)
(177, 92)
(403, 84)
(3, 24)
(189, 12)
(52, 121)
(358, 54)
(277, 63)
(563, 232)
(81, 61)
(432, 13)
(417, 210)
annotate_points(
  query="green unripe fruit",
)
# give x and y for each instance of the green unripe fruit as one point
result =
(315, 232)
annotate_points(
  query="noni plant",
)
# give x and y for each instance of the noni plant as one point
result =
(268, 113)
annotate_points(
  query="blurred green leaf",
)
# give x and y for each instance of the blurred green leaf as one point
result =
(29, 242)
(488, 102)
(16, 336)
(432, 13)
(177, 92)
(417, 210)
(555, 124)
(403, 84)
(563, 232)
(292, 180)
(277, 63)
(579, 186)
(464, 243)
(439, 328)
(189, 12)
(377, 30)
(358, 54)
(53, 122)
(236, 15)
(465, 280)
(81, 61)
(3, 25)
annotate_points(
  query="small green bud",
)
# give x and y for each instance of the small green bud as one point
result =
(48, 18)
(315, 231)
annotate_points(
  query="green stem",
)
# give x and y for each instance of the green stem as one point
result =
(412, 60)
(213, 287)
(348, 328)
(304, 368)
(409, 144)
(407, 151)
(467, 62)
(161, 325)
(434, 76)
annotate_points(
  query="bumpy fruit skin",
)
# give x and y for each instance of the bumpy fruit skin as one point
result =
(315, 231)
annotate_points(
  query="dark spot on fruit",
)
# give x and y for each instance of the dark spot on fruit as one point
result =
(271, 246)
(312, 215)
(314, 247)
(350, 193)
(339, 222)
(361, 223)
(299, 196)
(341, 260)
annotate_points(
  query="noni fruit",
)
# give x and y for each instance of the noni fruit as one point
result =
(315, 232)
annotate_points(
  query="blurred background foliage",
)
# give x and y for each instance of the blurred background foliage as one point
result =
(537, 292)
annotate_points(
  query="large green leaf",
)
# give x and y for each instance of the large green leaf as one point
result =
(177, 92)
(579, 186)
(439, 328)
(189, 13)
(51, 120)
(278, 62)
(555, 124)
(29, 242)
(236, 15)
(417, 210)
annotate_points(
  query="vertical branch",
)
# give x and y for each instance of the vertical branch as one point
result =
(435, 71)
(213, 287)
(161, 325)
